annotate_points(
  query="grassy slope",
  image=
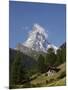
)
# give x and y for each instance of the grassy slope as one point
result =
(58, 79)
(42, 80)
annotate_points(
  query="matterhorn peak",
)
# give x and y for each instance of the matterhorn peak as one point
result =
(37, 38)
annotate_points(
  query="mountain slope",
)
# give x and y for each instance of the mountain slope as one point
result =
(41, 80)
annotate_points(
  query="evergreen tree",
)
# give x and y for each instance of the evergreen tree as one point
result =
(61, 56)
(50, 57)
(19, 73)
(41, 64)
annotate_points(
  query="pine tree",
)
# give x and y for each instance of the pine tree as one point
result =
(41, 64)
(19, 74)
(61, 55)
(50, 57)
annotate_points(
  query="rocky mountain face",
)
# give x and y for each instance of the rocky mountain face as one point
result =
(36, 41)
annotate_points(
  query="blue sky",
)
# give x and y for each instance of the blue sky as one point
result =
(22, 16)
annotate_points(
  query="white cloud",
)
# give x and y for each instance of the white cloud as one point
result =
(40, 29)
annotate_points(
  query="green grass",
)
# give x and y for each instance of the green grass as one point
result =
(58, 79)
(41, 80)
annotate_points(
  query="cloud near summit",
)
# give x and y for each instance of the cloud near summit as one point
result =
(38, 28)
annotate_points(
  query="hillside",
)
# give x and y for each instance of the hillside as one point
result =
(37, 69)
(42, 80)
(28, 62)
(58, 79)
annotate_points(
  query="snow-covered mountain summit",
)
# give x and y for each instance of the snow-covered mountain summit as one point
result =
(37, 39)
